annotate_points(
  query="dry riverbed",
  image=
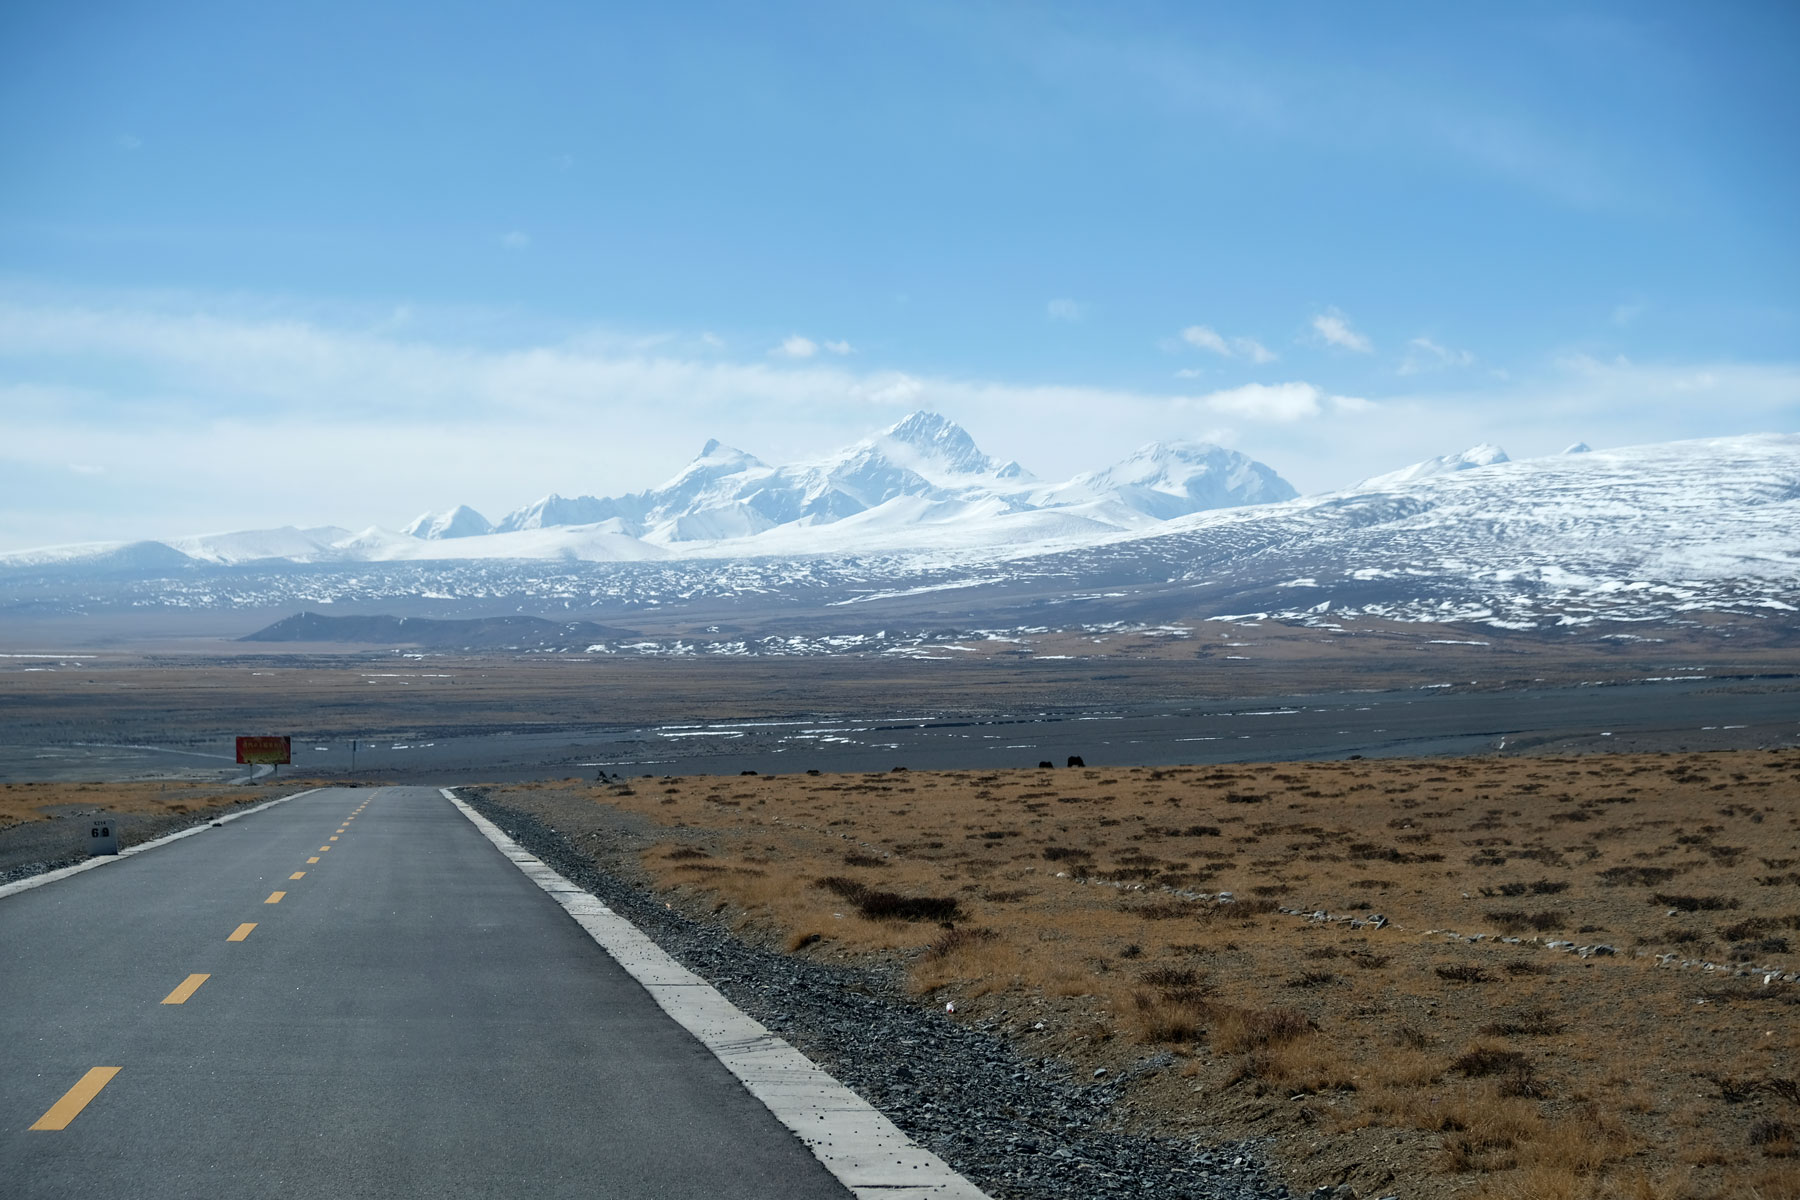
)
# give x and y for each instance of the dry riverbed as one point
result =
(1521, 977)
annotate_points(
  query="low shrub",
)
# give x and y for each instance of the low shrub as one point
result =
(1695, 903)
(879, 905)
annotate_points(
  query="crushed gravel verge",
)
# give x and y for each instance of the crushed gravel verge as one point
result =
(1020, 1128)
(39, 847)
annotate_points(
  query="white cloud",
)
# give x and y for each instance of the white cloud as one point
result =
(1204, 337)
(1066, 310)
(795, 346)
(1253, 350)
(1334, 327)
(1190, 373)
(1279, 402)
(515, 239)
(163, 400)
(840, 347)
(1423, 354)
(894, 389)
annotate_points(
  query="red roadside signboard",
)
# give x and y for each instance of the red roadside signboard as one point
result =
(264, 750)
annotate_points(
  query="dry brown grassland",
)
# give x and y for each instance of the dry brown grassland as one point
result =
(1522, 1025)
(21, 803)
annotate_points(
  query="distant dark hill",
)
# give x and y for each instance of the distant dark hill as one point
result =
(476, 633)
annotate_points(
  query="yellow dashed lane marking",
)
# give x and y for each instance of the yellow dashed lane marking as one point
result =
(298, 875)
(241, 932)
(313, 859)
(323, 849)
(76, 1098)
(332, 839)
(274, 898)
(188, 987)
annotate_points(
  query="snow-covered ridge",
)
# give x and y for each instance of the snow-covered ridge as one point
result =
(921, 483)
(1485, 455)
(1646, 533)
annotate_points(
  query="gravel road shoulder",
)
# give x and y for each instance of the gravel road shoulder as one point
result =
(1020, 1128)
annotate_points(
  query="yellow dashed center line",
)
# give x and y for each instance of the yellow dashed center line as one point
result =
(188, 987)
(241, 932)
(313, 859)
(76, 1098)
(298, 875)
(274, 898)
(323, 849)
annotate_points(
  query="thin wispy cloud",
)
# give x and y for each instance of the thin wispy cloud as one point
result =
(840, 347)
(515, 239)
(1334, 329)
(1343, 104)
(1204, 337)
(1423, 354)
(1065, 309)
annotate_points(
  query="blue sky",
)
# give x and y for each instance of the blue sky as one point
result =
(479, 253)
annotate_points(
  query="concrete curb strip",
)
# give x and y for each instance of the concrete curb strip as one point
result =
(25, 885)
(855, 1142)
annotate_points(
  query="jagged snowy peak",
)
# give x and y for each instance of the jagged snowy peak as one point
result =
(554, 510)
(461, 521)
(1163, 480)
(1485, 455)
(1579, 448)
(726, 493)
(936, 449)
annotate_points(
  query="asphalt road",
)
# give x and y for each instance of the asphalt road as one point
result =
(403, 1014)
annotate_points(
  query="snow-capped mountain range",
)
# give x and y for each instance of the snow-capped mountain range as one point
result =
(916, 520)
(922, 482)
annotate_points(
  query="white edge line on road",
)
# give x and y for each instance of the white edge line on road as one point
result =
(25, 885)
(865, 1151)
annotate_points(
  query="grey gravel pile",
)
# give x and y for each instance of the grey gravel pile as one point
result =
(1017, 1127)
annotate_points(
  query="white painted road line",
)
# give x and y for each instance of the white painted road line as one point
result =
(25, 885)
(866, 1152)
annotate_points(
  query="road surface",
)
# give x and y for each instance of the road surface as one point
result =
(351, 994)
